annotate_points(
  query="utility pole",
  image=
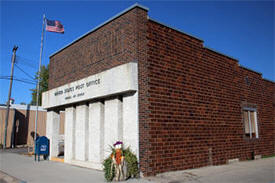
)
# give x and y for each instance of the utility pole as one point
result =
(9, 96)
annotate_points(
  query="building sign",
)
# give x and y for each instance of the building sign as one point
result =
(79, 88)
(119, 79)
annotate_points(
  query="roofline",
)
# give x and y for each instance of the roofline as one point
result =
(269, 80)
(101, 25)
(23, 107)
(176, 29)
(244, 67)
(211, 49)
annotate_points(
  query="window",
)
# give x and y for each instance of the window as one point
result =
(250, 122)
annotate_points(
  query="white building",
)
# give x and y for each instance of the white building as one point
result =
(100, 110)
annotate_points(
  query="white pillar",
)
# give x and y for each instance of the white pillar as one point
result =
(130, 122)
(81, 133)
(52, 132)
(69, 133)
(96, 134)
(112, 124)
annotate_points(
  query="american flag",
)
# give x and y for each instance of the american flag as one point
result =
(54, 26)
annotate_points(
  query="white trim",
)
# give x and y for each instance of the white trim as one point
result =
(117, 80)
(254, 110)
(249, 109)
(249, 123)
(256, 124)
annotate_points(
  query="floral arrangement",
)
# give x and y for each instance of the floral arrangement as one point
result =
(121, 165)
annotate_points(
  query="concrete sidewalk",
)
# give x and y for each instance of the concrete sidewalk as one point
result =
(5, 178)
(24, 168)
(257, 171)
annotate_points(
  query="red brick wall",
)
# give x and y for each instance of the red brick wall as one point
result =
(190, 98)
(111, 45)
(195, 99)
(144, 136)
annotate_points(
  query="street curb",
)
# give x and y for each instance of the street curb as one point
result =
(5, 178)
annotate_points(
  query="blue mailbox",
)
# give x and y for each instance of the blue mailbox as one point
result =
(42, 147)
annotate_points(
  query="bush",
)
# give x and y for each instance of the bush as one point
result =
(130, 161)
(108, 174)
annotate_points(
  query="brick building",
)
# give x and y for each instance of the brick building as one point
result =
(178, 104)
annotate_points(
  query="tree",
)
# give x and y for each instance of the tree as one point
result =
(44, 77)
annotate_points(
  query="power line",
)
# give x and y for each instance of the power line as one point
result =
(23, 81)
(27, 62)
(27, 65)
(24, 72)
(21, 58)
(15, 78)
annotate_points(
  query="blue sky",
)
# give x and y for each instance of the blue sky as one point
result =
(241, 29)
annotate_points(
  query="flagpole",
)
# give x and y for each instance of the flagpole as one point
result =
(38, 79)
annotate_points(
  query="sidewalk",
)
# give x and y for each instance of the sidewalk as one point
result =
(5, 178)
(24, 168)
(256, 171)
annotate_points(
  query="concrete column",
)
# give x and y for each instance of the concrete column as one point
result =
(52, 131)
(69, 133)
(81, 133)
(112, 124)
(130, 122)
(96, 133)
